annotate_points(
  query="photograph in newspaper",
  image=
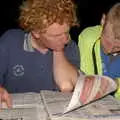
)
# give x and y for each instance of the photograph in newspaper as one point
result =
(90, 88)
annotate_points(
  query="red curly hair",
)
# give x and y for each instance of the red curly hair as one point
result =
(39, 14)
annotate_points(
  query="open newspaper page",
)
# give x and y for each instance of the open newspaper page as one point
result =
(26, 106)
(49, 105)
(106, 108)
(90, 88)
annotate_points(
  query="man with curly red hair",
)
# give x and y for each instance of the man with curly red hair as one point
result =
(41, 56)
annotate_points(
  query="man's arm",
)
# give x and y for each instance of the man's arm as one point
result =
(65, 74)
(66, 66)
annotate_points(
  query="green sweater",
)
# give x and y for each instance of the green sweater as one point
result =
(89, 40)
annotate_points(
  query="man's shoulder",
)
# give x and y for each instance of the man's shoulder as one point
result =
(11, 35)
(91, 32)
(72, 48)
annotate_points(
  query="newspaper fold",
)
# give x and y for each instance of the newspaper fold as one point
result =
(90, 88)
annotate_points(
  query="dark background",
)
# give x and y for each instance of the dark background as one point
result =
(89, 13)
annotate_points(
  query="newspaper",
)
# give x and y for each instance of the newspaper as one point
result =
(106, 108)
(26, 106)
(90, 88)
(24, 100)
(89, 101)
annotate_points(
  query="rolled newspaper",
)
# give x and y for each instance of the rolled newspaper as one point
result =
(90, 88)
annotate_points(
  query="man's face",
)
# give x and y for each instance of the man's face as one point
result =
(54, 37)
(109, 42)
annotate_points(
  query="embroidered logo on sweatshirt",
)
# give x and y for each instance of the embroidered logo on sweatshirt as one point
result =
(18, 70)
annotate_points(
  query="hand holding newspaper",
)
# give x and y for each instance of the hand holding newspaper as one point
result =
(90, 88)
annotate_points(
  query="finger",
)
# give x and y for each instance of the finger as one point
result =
(8, 100)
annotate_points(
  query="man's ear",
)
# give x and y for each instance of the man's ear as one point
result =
(103, 19)
(35, 34)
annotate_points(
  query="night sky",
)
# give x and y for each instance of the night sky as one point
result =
(89, 13)
(9, 11)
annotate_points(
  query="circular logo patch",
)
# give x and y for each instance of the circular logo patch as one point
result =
(18, 70)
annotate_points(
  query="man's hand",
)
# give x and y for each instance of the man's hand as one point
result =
(5, 97)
